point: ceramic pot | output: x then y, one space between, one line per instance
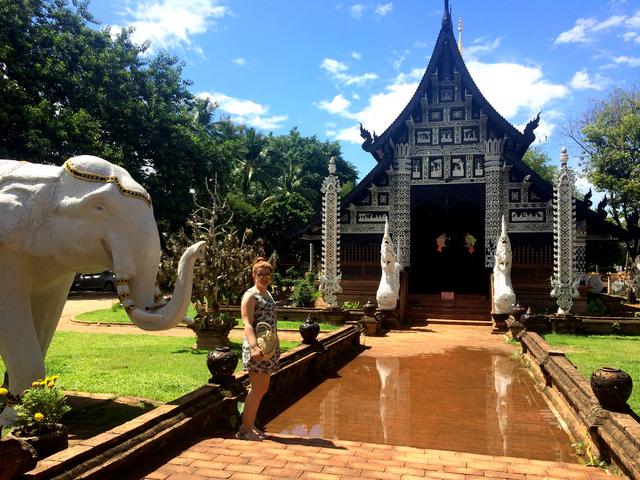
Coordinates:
47 443
369 308
222 362
309 330
612 387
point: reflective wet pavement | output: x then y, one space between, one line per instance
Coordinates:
466 383
473 400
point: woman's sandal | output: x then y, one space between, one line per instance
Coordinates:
249 435
262 435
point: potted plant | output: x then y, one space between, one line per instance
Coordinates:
39 416
224 272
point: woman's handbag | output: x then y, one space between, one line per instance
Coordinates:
266 339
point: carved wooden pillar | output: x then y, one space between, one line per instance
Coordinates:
331 276
565 279
401 202
494 196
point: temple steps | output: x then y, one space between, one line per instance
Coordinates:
464 309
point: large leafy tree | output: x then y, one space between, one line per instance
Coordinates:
540 162
67 88
609 134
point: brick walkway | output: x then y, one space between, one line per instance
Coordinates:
284 456
288 457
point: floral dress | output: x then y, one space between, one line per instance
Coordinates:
265 312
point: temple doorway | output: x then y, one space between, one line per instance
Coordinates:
447 248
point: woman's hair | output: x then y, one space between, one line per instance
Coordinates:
260 262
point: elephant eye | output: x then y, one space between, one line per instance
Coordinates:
100 208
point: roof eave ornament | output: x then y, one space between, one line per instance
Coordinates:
369 141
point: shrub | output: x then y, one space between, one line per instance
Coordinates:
351 305
595 306
304 291
42 407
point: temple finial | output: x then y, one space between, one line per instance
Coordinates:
460 35
446 18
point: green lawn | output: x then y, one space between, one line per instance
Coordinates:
591 352
153 367
117 315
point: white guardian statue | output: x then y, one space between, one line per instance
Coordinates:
504 298
387 294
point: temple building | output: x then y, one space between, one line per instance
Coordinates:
447 169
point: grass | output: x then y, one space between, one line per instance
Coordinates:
591 352
151 367
117 315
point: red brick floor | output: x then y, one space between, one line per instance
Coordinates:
289 457
283 457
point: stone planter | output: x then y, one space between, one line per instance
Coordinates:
612 387
47 443
222 362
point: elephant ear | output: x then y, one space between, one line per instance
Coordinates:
26 191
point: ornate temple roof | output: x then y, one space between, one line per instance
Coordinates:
446 61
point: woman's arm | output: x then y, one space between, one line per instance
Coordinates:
247 309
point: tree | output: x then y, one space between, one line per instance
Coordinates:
609 135
69 89
541 163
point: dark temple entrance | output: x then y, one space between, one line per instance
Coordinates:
447 239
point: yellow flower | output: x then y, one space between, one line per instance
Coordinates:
55 377
51 384
3 391
36 384
38 417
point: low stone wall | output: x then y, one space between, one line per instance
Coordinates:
584 324
299 314
209 407
614 436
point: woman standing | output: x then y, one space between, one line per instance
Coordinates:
257 306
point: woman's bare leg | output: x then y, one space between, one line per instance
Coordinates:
259 386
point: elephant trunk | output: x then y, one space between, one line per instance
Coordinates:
163 316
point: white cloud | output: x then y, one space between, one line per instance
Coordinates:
172 23
383 9
584 28
631 61
583 81
356 55
339 105
512 88
480 46
397 63
240 61
246 112
337 71
357 10
634 21
631 36
333 66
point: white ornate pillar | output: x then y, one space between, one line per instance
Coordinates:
493 197
400 183
565 279
330 276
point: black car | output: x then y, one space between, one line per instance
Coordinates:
95 281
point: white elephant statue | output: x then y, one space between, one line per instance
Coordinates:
86 216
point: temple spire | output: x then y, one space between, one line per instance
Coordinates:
446 18
460 35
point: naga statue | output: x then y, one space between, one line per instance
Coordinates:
504 298
387 294
635 277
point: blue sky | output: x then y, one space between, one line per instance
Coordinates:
324 66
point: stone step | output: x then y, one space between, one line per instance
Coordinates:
458 321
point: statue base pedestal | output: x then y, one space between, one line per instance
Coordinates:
564 323
370 326
515 326
499 322
389 319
